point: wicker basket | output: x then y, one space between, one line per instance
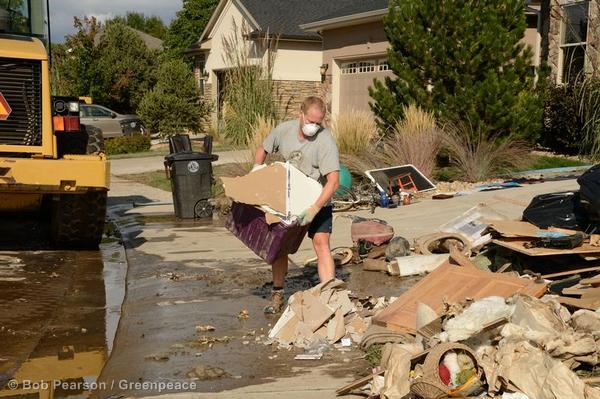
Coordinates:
430 386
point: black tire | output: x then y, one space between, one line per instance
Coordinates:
78 219
95 143
203 209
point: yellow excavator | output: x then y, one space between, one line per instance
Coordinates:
49 162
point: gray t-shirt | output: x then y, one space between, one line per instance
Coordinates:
316 156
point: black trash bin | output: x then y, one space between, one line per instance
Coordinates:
191 180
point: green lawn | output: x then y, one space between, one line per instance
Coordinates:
164 150
549 162
158 179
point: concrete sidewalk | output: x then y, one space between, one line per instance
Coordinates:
127 166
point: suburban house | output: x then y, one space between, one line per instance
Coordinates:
336 48
298 54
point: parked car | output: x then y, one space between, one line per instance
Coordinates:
110 122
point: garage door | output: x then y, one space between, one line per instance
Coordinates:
355 79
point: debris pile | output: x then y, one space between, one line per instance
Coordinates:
324 314
493 347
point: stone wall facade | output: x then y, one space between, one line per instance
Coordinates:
554 38
291 93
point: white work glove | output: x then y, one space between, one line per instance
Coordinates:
258 167
308 215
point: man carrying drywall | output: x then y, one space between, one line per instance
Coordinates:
311 148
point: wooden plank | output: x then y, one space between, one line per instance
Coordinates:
593 281
581 303
517 244
570 272
451 284
514 228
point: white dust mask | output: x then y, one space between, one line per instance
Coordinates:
310 129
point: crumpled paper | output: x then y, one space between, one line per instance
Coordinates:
396 361
536 374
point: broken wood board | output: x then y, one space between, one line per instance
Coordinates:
514 228
581 303
517 244
571 272
593 281
452 284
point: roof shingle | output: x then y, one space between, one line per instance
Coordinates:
284 17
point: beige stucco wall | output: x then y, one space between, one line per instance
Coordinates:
533 39
340 45
294 60
224 27
354 42
298 61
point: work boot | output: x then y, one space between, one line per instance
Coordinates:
275 303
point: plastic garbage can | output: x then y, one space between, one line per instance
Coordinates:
191 181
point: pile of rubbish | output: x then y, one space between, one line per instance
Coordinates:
506 308
324 315
515 347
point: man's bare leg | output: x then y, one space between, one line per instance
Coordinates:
325 263
280 268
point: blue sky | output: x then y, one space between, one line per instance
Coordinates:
62 11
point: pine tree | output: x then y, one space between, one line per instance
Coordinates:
463 60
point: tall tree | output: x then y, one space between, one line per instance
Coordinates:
174 105
125 68
188 25
463 60
74 62
151 25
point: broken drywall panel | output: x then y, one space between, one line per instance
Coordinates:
279 188
452 284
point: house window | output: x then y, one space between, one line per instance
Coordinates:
354 67
574 40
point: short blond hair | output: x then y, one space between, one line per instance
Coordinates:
313 101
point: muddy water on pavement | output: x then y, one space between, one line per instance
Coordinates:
158 341
58 312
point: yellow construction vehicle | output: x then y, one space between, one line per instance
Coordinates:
49 163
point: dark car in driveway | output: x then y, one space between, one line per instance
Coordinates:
110 122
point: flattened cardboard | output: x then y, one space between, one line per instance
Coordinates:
312 311
266 186
335 328
279 189
514 228
453 284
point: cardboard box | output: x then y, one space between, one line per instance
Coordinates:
265 209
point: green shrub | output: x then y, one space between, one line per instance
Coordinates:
250 92
572 118
127 144
174 106
562 131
